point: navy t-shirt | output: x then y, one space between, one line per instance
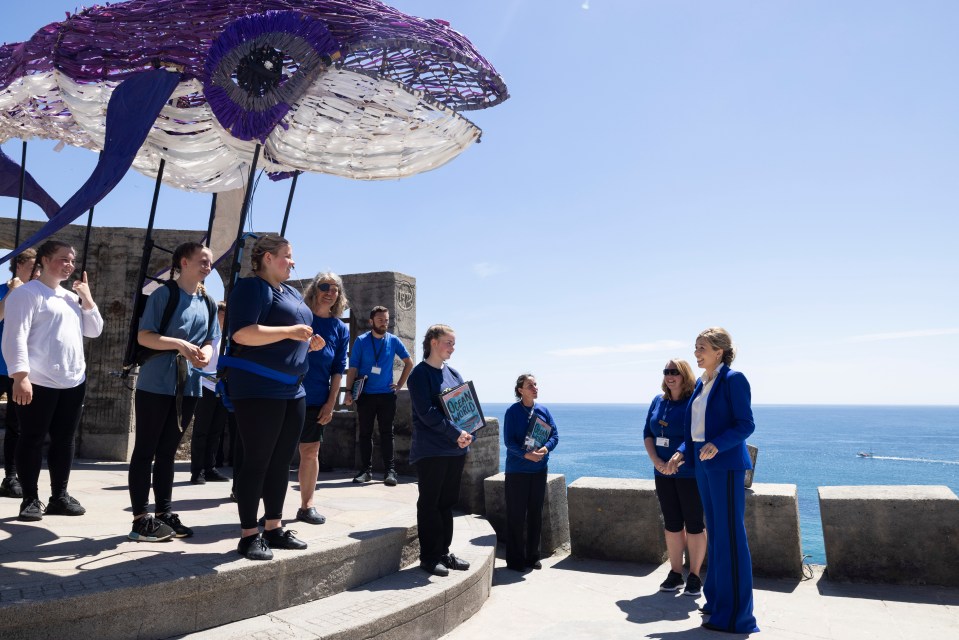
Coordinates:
327 361
254 301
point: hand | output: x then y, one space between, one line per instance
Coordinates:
82 288
464 440
348 399
326 414
300 332
674 464
534 456
202 360
189 351
659 465
22 391
708 451
317 342
15 282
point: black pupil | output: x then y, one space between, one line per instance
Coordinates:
260 71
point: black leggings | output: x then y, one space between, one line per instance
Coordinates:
208 427
439 485
154 449
270 432
12 434
53 411
680 503
525 494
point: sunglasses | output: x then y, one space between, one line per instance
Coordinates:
671 372
326 286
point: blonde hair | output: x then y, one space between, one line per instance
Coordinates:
719 338
689 380
270 243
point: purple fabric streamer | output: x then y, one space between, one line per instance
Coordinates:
32 191
131 112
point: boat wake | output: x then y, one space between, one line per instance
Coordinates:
913 459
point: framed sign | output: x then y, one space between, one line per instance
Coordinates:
462 407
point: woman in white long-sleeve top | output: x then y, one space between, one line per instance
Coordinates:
43 346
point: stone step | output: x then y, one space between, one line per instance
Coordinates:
407 604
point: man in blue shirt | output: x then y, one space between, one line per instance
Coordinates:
372 358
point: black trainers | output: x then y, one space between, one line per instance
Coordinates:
390 479
452 562
31 510
212 475
363 476
254 547
310 516
534 564
694 586
65 505
149 529
436 568
10 488
281 538
673 582
198 478
172 520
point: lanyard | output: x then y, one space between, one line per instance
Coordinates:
376 356
662 419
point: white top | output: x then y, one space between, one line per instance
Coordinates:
43 335
698 428
211 368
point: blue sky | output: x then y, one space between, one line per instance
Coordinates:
784 169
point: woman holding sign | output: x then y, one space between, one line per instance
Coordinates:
438 450
529 434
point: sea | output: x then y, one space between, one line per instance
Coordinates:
807 445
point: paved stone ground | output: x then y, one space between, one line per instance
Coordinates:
590 599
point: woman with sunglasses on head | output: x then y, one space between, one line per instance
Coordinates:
168 387
717 423
326 298
678 494
271 334
438 450
43 347
526 470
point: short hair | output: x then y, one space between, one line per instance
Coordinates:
689 380
270 243
26 254
378 309
719 338
520 381
341 302
434 333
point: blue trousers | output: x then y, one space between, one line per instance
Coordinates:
729 576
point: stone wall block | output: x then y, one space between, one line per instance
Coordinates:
555 511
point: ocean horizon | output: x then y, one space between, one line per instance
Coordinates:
806 445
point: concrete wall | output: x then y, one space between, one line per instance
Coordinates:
555 511
481 463
898 534
772 529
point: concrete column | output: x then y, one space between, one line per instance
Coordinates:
481 463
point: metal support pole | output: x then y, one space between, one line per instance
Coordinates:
289 203
209 227
23 179
86 242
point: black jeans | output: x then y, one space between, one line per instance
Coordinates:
525 493
12 426
209 424
439 486
380 407
269 432
53 411
154 448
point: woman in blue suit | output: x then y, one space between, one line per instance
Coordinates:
718 421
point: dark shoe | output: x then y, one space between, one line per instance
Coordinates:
212 475
31 510
694 586
65 505
310 516
172 520
10 488
536 564
673 582
281 538
232 496
452 562
390 479
149 529
436 568
254 547
198 478
363 476
705 612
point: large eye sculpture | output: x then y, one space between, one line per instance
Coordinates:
260 65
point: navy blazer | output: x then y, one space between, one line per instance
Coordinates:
729 421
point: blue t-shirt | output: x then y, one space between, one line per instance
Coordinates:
369 352
254 301
4 290
433 433
326 362
515 425
190 322
673 414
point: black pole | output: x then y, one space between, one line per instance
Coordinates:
23 179
289 203
86 243
235 265
209 226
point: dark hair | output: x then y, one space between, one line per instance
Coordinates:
185 250
433 333
221 306
270 243
46 250
26 254
378 309
520 381
719 338
339 305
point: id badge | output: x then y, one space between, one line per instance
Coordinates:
662 442
376 371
